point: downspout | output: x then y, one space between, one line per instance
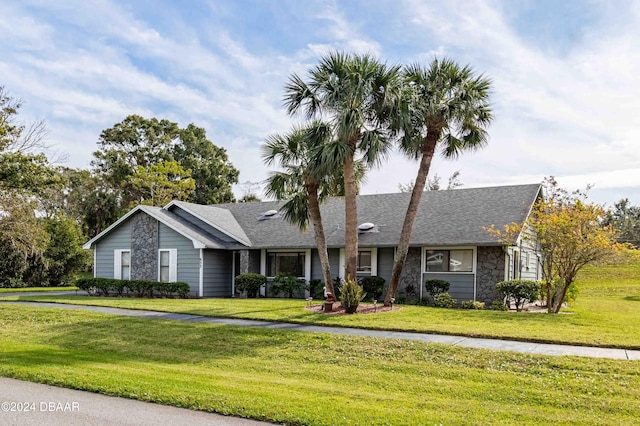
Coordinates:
233 274
423 267
201 286
520 261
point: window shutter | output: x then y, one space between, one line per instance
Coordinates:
117 264
173 265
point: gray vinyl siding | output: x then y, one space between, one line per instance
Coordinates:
529 245
385 263
218 267
316 267
529 270
461 284
188 257
117 239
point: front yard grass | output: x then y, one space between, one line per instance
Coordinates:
606 313
310 378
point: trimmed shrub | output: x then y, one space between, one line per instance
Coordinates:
471 304
373 286
86 284
444 300
250 283
498 305
142 288
436 287
351 294
520 291
103 285
139 288
287 284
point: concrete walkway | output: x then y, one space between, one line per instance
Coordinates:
34 404
471 342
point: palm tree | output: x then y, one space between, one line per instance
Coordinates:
445 105
302 182
356 94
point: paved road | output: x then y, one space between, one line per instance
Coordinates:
496 344
52 406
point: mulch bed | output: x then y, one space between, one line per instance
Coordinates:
362 309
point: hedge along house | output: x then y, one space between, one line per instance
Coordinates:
207 246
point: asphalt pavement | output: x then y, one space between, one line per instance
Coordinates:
34 404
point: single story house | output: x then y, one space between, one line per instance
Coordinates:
207 246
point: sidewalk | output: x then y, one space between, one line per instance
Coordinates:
471 342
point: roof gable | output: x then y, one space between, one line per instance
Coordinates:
221 220
198 239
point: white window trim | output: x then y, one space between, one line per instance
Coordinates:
510 266
374 262
117 263
473 267
307 261
173 264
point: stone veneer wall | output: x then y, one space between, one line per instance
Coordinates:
244 262
249 261
144 247
411 273
490 271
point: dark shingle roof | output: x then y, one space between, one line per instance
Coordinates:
221 219
445 218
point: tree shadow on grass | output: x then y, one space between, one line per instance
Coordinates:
113 339
632 298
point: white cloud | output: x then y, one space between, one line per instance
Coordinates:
573 115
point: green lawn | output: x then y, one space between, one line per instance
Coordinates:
606 313
41 289
310 378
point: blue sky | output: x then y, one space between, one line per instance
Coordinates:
566 91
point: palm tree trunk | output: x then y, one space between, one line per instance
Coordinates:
350 216
320 237
428 150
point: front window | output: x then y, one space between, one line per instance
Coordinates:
168 265
364 262
285 263
165 266
449 260
125 265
